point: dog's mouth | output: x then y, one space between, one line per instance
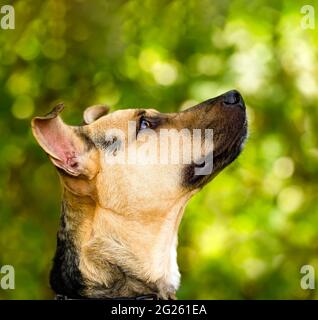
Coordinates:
198 174
226 115
229 154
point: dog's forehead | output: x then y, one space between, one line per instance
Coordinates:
122 116
115 119
118 120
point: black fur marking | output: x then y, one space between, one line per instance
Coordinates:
220 161
85 138
105 143
190 179
65 277
111 144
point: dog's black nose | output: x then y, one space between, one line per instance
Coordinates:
233 97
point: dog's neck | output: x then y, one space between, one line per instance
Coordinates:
103 254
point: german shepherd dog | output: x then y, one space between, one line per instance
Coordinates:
119 221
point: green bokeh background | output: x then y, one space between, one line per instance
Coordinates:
247 234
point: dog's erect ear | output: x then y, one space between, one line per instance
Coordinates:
65 148
94 112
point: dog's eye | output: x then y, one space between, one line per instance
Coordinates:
144 124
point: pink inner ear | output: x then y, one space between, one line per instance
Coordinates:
55 138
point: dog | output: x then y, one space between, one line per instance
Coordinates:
119 221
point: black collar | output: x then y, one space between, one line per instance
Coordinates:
152 296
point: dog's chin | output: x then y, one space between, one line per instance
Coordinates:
192 180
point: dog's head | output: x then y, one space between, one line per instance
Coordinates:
150 159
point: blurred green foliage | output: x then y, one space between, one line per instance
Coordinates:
247 234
